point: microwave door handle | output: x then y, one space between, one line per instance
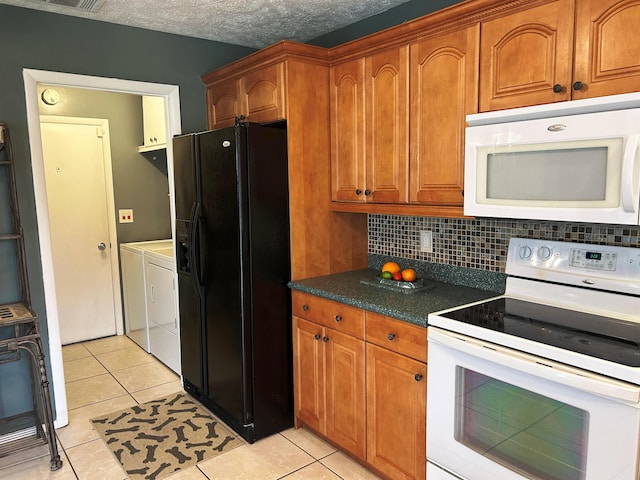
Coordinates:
538 367
629 174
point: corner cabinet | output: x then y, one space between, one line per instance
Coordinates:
370 128
528 57
360 381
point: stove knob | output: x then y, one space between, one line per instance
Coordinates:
525 252
544 253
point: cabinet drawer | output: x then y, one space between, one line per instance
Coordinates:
336 315
404 338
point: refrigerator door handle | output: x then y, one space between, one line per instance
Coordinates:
196 258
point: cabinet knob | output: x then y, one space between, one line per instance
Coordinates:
338 318
305 307
367 192
418 377
578 85
325 339
391 336
557 88
317 336
358 191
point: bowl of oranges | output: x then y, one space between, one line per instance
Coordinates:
391 274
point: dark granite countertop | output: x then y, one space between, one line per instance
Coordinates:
414 308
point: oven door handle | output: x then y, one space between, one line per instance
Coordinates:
539 367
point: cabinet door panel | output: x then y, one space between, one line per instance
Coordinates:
396 414
387 131
444 86
347 131
523 55
223 101
607 59
345 392
263 94
308 370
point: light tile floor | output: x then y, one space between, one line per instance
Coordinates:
113 373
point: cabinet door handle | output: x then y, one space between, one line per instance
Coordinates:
367 192
418 377
305 307
325 339
338 318
557 88
317 336
358 191
578 85
391 336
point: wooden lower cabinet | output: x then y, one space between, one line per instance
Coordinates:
360 381
329 384
396 414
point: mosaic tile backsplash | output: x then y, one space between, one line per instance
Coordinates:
482 243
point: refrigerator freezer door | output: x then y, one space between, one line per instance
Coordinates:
191 305
184 161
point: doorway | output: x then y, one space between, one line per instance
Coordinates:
77 165
173 127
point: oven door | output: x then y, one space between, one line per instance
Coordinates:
497 414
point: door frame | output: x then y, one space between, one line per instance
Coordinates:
111 207
31 79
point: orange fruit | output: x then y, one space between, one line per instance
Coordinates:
408 274
391 267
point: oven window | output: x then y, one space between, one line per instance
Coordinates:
536 436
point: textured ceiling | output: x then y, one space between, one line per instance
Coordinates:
251 23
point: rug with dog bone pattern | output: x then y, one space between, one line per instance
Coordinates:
157 438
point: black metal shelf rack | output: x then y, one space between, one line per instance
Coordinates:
21 336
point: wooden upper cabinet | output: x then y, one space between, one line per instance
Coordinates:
444 89
257 95
607 47
347 131
535 56
524 55
387 125
263 93
369 128
223 103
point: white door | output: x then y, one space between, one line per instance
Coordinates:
74 163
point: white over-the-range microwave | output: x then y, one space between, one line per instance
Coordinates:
576 161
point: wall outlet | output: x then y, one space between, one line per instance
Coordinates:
125 215
426 241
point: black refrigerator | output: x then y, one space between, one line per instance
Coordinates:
232 241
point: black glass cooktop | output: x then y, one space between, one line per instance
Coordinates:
594 335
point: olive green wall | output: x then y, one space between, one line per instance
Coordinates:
45 41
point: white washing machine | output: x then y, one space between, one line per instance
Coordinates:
133 287
162 318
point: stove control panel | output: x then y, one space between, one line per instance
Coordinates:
593 266
593 258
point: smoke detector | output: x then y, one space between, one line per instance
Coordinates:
84 5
